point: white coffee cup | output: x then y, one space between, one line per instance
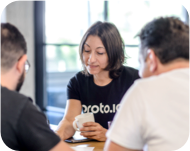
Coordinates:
82 118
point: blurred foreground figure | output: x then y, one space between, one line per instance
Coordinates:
155 111
23 126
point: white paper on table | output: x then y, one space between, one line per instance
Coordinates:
83 148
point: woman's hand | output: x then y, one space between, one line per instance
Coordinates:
93 131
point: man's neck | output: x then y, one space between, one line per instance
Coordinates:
8 80
176 64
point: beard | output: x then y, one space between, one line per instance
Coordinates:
20 82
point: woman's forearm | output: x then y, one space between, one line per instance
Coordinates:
65 129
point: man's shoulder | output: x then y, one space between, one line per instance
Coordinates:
162 82
147 82
12 106
12 96
10 93
165 79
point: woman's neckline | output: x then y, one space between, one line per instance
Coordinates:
104 85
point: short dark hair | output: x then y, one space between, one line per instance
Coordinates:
13 45
168 37
113 43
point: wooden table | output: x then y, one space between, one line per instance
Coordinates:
98 146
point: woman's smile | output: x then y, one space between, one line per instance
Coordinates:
92 66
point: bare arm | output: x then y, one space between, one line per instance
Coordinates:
61 146
65 128
111 146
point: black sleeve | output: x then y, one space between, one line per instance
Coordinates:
73 89
34 134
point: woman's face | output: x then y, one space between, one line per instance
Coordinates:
94 55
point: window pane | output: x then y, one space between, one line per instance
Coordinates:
67 21
130 17
62 59
132 57
96 11
56 88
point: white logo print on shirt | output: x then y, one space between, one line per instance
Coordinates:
103 109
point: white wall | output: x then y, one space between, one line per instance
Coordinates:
21 14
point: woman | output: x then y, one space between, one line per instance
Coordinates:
100 87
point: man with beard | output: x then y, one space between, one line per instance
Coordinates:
155 111
23 126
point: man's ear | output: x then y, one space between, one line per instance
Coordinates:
152 61
21 63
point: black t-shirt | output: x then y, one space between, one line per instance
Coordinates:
23 126
103 101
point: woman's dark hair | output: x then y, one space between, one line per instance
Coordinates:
168 37
113 44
